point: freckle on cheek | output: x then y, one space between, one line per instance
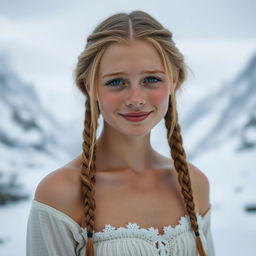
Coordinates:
159 97
110 100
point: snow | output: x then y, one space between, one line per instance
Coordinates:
232 186
14 217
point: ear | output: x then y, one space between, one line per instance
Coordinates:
86 86
176 78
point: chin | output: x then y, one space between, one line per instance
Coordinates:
136 132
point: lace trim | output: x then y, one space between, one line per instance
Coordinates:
133 230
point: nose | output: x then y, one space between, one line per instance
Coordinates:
135 98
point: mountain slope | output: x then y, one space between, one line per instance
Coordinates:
27 133
227 114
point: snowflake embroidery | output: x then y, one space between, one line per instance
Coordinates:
153 231
108 228
132 226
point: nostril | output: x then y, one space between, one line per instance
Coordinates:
136 104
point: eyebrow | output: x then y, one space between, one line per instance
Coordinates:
144 72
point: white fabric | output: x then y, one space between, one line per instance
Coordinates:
52 233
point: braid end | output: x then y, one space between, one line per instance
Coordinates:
200 246
89 247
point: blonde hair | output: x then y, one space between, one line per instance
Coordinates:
121 28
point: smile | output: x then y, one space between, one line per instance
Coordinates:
136 118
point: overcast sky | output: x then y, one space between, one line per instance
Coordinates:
197 18
42 39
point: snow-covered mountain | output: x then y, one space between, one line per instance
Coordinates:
227 114
27 131
22 117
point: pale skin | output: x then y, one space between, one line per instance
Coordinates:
134 183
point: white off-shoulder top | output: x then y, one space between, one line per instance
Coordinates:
50 232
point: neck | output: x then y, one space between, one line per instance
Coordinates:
116 150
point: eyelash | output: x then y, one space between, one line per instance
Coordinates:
119 79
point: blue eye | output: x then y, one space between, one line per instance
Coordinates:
153 79
118 82
114 82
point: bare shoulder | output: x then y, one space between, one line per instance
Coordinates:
60 189
201 188
199 183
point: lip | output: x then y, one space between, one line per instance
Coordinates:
136 114
136 117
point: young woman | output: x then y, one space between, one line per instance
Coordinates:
120 196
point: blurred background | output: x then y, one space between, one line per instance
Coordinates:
41 111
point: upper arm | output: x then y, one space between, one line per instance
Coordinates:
46 233
200 188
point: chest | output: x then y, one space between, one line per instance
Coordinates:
151 204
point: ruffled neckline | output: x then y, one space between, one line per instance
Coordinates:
133 230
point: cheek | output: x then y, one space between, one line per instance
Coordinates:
159 97
108 102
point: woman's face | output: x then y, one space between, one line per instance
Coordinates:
132 79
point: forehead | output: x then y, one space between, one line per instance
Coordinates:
133 55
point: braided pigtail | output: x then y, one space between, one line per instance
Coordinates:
181 166
88 179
